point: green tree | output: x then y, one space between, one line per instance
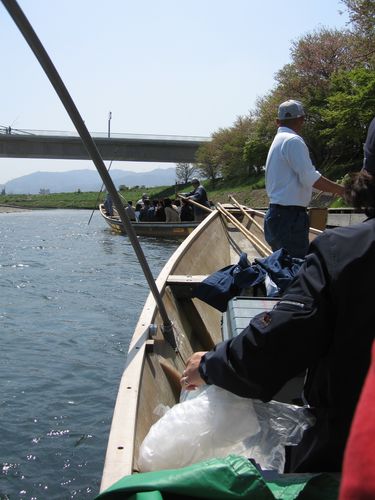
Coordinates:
362 18
349 109
316 57
225 154
255 153
207 163
331 72
231 143
361 15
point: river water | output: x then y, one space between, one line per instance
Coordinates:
70 296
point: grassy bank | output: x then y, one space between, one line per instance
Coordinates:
88 200
251 193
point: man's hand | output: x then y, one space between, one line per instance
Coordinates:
191 379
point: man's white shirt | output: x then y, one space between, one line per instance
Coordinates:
290 174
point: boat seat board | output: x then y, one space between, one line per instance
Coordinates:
178 279
183 285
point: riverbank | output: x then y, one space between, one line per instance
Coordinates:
9 209
251 195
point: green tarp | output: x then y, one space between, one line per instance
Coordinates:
225 478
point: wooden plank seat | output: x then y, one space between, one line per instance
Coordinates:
182 285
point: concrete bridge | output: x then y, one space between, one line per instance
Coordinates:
16 143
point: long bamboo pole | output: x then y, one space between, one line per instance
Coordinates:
193 202
40 53
260 246
253 221
97 199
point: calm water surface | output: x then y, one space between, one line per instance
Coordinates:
70 296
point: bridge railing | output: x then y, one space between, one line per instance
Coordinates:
59 133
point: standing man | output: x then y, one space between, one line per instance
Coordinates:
108 205
199 195
290 178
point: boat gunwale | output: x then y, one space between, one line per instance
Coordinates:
119 458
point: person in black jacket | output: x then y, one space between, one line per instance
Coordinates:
369 149
324 322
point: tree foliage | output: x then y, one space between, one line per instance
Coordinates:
224 154
207 163
332 73
349 110
362 18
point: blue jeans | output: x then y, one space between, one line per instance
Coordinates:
287 227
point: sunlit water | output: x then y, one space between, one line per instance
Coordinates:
70 296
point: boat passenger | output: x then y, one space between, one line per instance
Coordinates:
152 210
199 195
290 178
187 213
177 205
137 212
171 214
144 212
160 212
144 197
129 209
323 323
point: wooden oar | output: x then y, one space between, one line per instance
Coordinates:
253 221
45 61
193 202
259 245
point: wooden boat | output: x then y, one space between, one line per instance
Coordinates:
150 377
175 230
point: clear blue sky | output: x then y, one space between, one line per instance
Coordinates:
160 66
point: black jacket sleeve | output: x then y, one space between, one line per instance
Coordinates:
369 150
280 344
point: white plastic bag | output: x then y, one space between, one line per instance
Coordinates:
211 423
281 425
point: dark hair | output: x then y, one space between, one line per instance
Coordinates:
360 191
167 202
289 121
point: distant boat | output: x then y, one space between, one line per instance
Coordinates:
175 230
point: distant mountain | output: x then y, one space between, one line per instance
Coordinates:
87 180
